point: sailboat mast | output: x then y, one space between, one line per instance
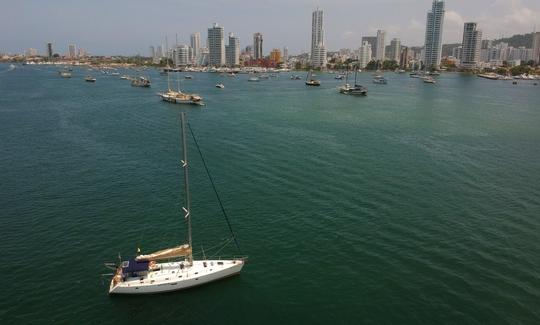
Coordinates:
186 184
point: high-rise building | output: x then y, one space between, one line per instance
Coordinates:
82 53
181 55
216 46
434 31
49 51
380 50
394 52
257 46
372 40
232 51
364 54
275 55
404 57
72 51
536 47
285 54
159 51
472 42
196 45
318 51
457 52
152 52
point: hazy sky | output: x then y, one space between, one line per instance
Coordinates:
131 26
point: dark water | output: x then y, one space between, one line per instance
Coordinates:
418 204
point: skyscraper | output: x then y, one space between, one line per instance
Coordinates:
472 42
285 54
364 54
181 55
395 50
196 44
318 51
372 40
434 30
380 50
49 51
232 51
536 47
152 52
216 46
257 46
72 51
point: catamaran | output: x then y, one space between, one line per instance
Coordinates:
172 268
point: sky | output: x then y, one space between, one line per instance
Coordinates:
111 27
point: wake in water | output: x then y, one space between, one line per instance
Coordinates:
11 68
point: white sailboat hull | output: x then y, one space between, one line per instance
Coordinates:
175 276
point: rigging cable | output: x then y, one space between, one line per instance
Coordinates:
215 190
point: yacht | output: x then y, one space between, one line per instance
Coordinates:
178 97
141 82
380 80
356 90
310 81
429 80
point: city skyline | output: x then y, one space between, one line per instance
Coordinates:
342 29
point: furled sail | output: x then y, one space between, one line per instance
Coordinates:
182 250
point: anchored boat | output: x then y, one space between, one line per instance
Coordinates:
356 90
311 81
178 97
172 268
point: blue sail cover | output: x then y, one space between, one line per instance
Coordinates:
135 266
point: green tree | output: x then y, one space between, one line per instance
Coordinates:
372 65
390 65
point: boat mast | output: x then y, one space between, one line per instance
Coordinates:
186 184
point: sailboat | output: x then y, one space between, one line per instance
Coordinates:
357 89
178 97
310 81
146 273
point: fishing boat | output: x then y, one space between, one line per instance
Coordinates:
380 80
429 80
310 81
356 89
173 268
140 82
89 79
220 85
179 97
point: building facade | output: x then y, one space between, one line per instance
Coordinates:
232 51
318 50
433 40
394 52
380 49
195 41
536 47
257 46
216 46
470 47
364 54
72 51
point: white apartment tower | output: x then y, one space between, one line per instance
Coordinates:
381 45
318 51
196 45
257 46
232 51
434 31
216 46
181 55
364 54
472 42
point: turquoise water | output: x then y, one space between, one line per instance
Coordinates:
418 204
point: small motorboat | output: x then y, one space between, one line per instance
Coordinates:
429 80
254 79
220 85
89 79
188 77
380 80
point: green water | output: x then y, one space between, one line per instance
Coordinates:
418 204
